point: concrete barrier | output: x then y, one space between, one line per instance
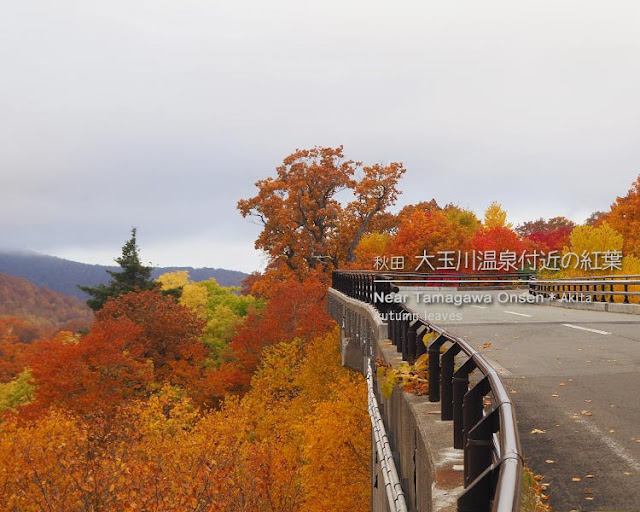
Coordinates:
611 307
429 468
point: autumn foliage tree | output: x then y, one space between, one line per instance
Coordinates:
624 217
297 310
169 333
15 337
298 440
93 373
305 226
138 341
371 246
547 235
498 239
423 232
222 309
496 217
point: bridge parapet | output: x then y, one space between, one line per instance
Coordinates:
482 415
613 293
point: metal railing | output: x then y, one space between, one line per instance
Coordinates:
363 284
483 416
592 288
394 491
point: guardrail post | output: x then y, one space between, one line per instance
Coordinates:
477 498
447 362
472 409
420 346
412 340
434 367
460 388
391 322
378 288
404 341
396 312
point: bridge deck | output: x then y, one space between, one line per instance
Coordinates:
575 376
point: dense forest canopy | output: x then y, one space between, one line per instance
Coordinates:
227 398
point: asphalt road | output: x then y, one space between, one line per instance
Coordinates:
574 376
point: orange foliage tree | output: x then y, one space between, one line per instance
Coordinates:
423 232
624 217
15 337
168 335
498 239
93 373
296 310
298 440
138 341
305 227
371 246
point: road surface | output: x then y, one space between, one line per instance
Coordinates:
574 376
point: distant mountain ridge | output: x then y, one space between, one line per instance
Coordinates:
64 276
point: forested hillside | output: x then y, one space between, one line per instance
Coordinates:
189 396
40 306
64 276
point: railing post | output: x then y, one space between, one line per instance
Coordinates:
420 346
434 368
404 338
447 363
460 388
472 407
412 340
391 325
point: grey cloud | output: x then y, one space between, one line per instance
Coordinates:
163 114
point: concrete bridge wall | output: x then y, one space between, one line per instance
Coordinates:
422 445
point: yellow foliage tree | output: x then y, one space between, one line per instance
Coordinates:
592 239
337 465
177 279
222 308
371 246
586 242
496 217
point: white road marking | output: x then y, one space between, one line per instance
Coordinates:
586 329
616 448
514 313
479 307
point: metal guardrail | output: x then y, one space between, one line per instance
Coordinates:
592 288
484 423
459 280
395 494
363 284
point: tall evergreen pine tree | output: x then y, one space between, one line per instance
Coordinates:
134 276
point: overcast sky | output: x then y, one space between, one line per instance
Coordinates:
162 114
